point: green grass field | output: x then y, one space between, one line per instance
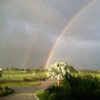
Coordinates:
97 75
20 84
20 75
40 94
21 78
31 78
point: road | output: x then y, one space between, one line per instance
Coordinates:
26 93
22 93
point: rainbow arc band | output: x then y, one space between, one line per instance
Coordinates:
65 29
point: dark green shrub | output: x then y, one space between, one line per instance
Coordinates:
46 95
82 88
75 88
53 96
1 94
1 88
6 91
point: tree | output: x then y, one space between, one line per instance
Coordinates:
58 71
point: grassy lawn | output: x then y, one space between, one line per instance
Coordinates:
84 74
16 75
41 94
21 78
20 83
20 75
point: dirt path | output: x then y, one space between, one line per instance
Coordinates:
26 93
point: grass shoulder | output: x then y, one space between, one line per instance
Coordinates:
20 83
41 94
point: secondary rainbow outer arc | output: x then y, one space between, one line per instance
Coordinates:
27 55
64 31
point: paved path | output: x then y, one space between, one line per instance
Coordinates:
26 93
23 93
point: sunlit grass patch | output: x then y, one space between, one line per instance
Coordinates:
21 75
20 83
41 94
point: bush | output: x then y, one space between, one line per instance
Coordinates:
53 96
1 88
6 91
75 88
84 88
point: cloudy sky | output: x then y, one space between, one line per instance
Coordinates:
29 29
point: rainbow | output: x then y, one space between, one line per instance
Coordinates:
65 29
51 53
28 54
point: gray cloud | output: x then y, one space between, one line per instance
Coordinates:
80 45
39 22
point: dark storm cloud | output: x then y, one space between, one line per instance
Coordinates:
80 45
39 22
87 26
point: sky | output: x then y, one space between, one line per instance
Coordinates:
29 29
